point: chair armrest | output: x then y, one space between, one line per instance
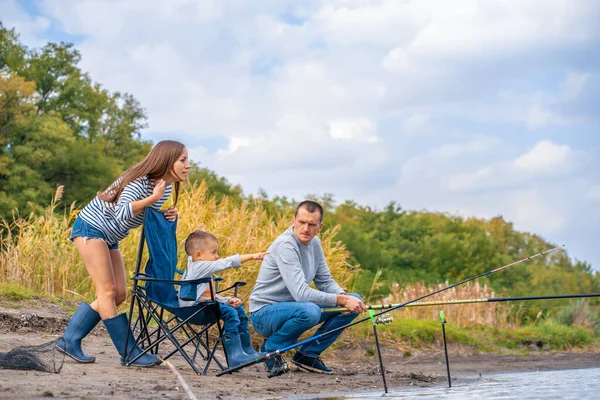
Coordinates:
173 281
236 286
216 280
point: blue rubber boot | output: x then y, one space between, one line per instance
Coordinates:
235 353
117 328
247 345
80 325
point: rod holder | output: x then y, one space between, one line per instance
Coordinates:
374 322
443 319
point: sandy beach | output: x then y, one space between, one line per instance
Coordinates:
356 370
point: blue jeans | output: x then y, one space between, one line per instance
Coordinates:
235 320
283 323
87 231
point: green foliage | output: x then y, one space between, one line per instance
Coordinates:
557 336
57 127
217 186
15 292
410 247
425 334
578 313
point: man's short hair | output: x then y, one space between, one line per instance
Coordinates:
311 207
197 240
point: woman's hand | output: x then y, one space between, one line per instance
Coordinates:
159 190
170 213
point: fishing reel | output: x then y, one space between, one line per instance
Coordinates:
384 319
279 368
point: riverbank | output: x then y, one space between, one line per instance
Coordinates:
356 368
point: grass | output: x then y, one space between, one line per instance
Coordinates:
36 254
558 336
409 334
14 292
38 260
499 315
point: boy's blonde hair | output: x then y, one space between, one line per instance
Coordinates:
197 240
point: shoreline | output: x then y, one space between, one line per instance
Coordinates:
356 370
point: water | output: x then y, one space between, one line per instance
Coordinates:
563 384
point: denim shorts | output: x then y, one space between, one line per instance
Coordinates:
87 231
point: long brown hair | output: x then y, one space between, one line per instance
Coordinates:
158 163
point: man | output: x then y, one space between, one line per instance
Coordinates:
283 305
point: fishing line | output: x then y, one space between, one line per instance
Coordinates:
277 353
468 301
181 380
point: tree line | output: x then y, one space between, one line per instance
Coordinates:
59 127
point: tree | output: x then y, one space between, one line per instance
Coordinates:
217 186
60 128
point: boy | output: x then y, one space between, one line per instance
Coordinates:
203 261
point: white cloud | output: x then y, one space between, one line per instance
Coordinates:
593 194
434 104
548 158
440 164
477 145
30 28
533 212
416 122
544 160
356 129
479 179
235 144
473 28
574 82
396 61
538 117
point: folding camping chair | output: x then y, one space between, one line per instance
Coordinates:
154 297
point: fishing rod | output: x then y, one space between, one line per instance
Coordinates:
277 353
467 301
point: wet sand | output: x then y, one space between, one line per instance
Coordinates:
355 370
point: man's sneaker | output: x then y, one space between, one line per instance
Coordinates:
271 362
313 364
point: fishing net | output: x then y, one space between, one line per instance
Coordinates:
43 357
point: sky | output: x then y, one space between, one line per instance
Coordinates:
472 108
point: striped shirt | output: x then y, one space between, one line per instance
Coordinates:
116 219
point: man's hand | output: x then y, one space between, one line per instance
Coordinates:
169 213
234 302
351 303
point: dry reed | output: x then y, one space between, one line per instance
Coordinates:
496 315
35 251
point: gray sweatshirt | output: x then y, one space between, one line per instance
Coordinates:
201 269
286 273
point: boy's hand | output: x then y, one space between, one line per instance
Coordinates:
258 256
234 302
255 256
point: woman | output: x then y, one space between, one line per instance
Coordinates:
105 221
